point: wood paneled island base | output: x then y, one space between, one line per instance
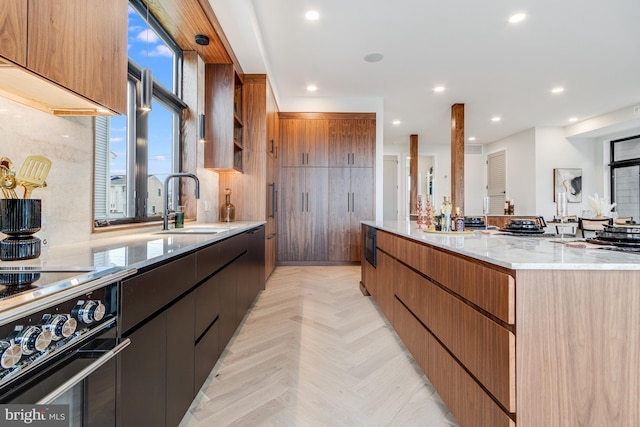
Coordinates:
513 346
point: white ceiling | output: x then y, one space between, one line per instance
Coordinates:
589 47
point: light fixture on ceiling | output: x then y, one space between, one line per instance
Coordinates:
396 122
312 88
518 17
374 57
573 119
557 90
202 40
312 15
201 128
146 79
496 119
438 89
472 138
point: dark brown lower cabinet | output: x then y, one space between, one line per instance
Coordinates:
176 342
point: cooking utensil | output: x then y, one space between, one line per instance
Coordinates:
7 179
32 174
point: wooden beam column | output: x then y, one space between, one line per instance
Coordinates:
457 156
413 174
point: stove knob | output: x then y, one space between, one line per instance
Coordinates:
90 311
60 326
32 339
10 354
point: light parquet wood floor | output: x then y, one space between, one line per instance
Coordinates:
313 351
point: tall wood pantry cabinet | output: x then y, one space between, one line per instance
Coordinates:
326 185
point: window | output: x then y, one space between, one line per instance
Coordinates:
625 176
135 153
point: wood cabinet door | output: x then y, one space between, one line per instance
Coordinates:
340 200
317 142
292 214
82 45
317 207
363 143
362 207
339 143
13 31
292 145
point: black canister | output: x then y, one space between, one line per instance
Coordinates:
19 219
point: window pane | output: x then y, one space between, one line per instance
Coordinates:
117 201
627 191
625 150
160 152
143 40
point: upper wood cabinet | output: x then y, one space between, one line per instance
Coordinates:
304 141
79 46
13 30
224 112
352 141
82 45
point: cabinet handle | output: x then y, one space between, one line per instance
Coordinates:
303 158
272 150
307 201
273 200
348 202
353 202
303 201
276 153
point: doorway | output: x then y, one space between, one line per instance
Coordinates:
497 181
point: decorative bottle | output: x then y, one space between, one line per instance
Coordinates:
445 210
228 211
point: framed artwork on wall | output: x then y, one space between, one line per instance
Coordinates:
569 181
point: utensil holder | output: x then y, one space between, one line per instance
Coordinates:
19 219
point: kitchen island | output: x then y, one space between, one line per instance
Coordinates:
514 330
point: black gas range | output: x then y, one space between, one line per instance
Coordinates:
58 327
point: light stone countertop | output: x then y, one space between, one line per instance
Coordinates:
517 253
136 250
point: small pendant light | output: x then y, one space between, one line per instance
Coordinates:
147 76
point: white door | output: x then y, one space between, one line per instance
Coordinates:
497 181
390 188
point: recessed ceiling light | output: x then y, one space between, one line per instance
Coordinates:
312 88
573 119
374 57
557 90
518 17
472 138
312 15
438 89
496 118
396 122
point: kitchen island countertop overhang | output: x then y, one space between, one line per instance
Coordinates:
516 252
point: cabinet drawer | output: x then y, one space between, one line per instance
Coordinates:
146 293
214 257
490 289
468 402
206 356
386 242
484 347
207 304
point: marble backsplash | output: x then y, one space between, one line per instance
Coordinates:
67 201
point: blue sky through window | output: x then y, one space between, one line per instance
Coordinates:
160 58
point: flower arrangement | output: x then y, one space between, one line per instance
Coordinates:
600 205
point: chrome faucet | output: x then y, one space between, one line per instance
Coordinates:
165 213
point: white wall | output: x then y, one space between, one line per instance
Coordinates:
553 150
319 104
521 172
475 181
